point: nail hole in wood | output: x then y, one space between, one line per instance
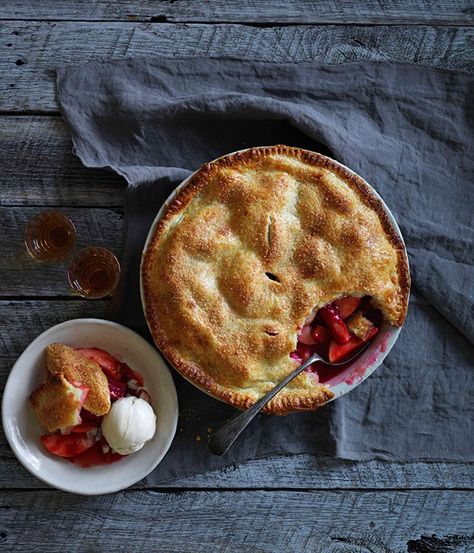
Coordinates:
20 62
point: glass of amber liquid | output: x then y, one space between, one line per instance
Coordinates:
94 272
49 236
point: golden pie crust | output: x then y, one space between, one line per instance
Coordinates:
243 253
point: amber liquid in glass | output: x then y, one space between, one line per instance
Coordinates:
94 272
50 236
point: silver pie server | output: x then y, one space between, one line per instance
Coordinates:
223 438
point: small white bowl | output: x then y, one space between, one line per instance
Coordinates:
23 432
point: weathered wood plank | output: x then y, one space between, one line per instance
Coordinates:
39 168
245 521
30 318
22 321
363 12
29 52
304 472
21 275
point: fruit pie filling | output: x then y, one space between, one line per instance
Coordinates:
84 444
337 332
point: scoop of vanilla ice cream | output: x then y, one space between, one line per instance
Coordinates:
130 423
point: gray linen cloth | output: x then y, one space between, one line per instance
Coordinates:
406 129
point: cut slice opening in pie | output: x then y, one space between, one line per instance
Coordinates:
263 256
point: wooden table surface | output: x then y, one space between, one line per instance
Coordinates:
295 503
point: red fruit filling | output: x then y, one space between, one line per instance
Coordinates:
336 332
117 389
67 445
335 323
83 444
321 334
99 454
106 362
85 426
88 416
346 306
338 352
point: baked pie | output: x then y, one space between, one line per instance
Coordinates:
262 257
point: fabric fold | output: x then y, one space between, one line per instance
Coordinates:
404 128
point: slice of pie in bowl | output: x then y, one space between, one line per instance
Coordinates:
263 256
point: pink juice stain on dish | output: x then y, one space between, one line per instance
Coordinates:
359 373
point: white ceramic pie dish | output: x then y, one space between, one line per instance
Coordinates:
345 380
23 432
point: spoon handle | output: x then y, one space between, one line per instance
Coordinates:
221 440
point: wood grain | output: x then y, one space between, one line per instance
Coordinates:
29 51
21 275
228 521
22 321
254 11
39 168
293 472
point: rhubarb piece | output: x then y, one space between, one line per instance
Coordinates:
339 352
57 403
346 306
360 325
77 368
106 362
334 322
69 445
